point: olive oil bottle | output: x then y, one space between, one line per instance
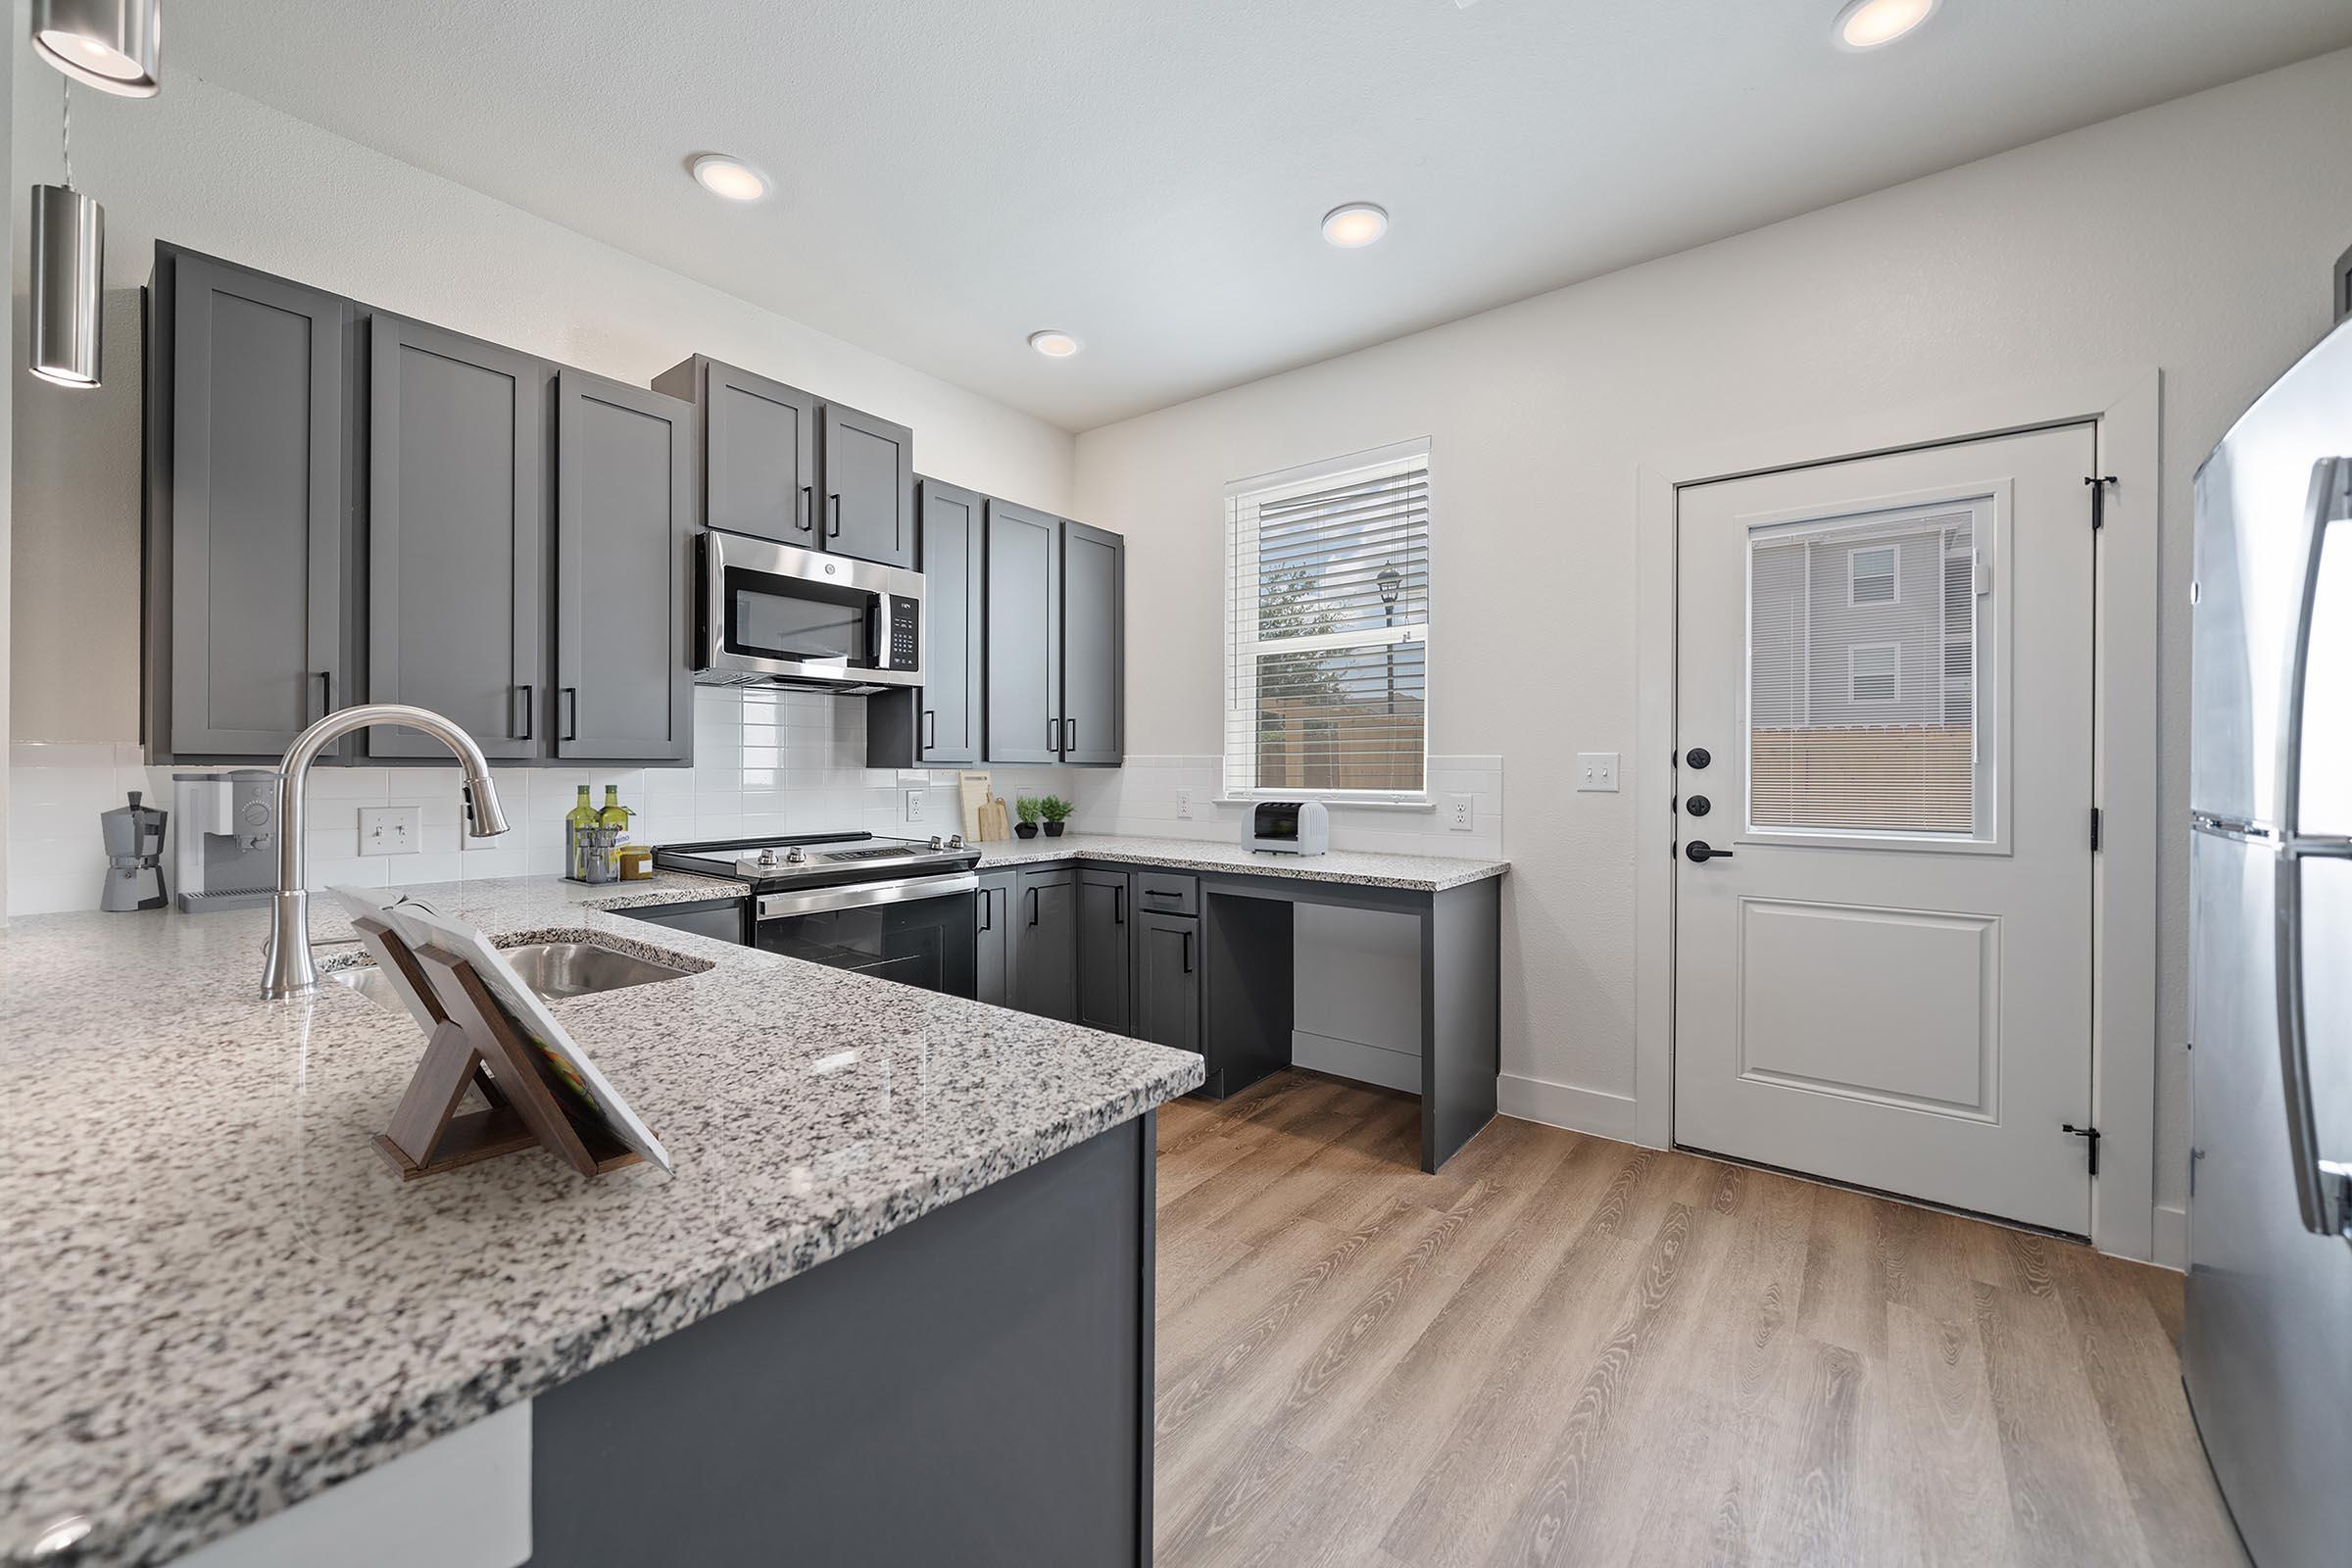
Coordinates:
576 823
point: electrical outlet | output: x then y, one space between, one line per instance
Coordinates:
1597 771
390 830
915 805
1184 806
1461 814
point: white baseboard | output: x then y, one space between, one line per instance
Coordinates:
1579 1110
2171 1238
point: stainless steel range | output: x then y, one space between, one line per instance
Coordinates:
896 908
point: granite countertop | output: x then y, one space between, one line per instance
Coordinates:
1422 873
216 1299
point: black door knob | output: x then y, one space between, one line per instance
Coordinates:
1699 851
1699 756
1698 805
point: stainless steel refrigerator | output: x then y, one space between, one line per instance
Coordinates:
2267 1355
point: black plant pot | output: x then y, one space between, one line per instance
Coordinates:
1027 830
1054 830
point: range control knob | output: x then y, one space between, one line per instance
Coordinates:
793 857
937 843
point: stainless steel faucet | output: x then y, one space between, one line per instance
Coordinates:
289 971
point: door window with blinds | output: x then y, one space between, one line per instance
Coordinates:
1327 630
1869 655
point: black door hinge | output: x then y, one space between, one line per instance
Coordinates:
2098 483
2090 1139
2096 823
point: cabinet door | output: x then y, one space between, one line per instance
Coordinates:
869 487
1022 722
257 504
624 522
1103 956
955 536
1046 956
759 455
1094 606
998 947
456 528
1168 979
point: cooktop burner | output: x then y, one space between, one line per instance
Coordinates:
818 859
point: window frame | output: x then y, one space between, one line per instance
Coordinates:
1237 719
1894 695
1894 575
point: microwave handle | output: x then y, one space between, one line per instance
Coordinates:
877 632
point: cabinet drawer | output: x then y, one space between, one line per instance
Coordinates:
1167 892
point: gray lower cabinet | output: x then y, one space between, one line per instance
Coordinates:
1094 608
249 509
725 919
1168 979
1046 946
1103 956
624 529
457 524
938 723
1023 720
999 946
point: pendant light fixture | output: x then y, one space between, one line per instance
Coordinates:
112 45
68 269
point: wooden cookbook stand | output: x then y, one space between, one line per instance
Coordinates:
473 1042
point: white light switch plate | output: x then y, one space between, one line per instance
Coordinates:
1461 815
1597 771
390 830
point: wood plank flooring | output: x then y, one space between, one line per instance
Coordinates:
1566 1351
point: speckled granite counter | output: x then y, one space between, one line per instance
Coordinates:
1423 874
216 1299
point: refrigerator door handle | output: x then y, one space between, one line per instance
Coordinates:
2319 1194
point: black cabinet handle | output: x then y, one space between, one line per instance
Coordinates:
1032 906
988 906
1188 953
529 694
833 526
1118 904
1161 893
930 728
1069 735
572 730
801 520
326 692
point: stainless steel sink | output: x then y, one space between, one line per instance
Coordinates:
556 970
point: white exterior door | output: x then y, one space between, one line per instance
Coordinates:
1885 667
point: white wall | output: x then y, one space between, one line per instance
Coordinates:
205 167
2194 237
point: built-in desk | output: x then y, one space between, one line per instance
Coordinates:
1246 956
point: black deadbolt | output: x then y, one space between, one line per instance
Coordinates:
1699 756
1698 805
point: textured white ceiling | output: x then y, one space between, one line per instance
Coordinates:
1150 173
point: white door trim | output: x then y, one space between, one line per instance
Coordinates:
2125 408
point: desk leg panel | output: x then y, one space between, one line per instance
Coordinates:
1461 1021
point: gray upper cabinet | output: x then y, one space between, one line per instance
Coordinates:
1094 608
624 528
868 487
1023 720
757 463
937 724
458 532
249 509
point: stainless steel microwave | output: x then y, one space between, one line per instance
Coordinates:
771 615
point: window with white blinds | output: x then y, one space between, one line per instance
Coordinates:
1327 630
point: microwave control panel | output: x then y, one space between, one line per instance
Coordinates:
901 617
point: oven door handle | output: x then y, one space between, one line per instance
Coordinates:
864 895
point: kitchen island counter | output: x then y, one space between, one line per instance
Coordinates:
219 1299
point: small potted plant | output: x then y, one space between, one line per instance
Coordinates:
1028 808
1057 811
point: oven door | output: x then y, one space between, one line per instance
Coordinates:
922 931
792 616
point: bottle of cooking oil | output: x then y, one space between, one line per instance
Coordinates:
614 815
576 823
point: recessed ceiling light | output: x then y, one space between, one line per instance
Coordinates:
1870 23
731 177
1054 345
1355 225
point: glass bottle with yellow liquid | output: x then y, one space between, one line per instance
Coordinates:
576 823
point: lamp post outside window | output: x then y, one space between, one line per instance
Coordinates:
1391 583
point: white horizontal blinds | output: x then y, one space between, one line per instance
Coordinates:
1862 675
1326 664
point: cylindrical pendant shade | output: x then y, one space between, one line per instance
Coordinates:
114 45
69 266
